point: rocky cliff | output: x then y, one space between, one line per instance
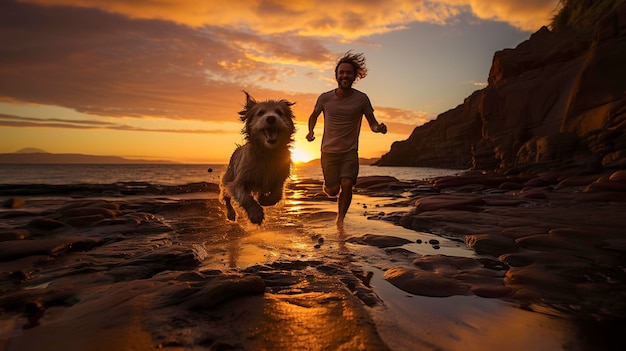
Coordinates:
556 100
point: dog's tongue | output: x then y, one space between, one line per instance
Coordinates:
271 135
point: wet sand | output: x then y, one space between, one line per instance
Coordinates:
137 266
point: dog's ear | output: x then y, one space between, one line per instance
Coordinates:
250 102
289 104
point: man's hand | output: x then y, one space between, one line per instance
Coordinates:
310 136
380 128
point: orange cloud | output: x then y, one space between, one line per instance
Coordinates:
528 15
342 18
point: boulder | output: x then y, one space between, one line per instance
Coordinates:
425 283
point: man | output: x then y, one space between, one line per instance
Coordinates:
343 109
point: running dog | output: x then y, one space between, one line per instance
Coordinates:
257 170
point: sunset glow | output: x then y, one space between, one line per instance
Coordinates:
300 155
164 80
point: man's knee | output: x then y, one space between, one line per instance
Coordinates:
347 184
332 191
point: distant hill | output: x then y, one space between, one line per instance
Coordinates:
30 150
25 156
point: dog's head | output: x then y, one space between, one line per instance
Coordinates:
268 123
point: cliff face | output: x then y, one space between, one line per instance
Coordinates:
558 99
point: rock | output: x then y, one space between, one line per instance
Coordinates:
490 244
489 179
606 186
492 291
542 180
15 249
448 202
13 202
532 194
618 176
45 224
601 196
577 181
88 211
579 236
510 186
539 280
15 234
443 264
381 241
515 260
217 291
546 242
374 181
425 283
83 221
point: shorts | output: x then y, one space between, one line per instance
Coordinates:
339 165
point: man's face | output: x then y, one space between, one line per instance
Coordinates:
345 75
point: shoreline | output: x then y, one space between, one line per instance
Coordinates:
166 256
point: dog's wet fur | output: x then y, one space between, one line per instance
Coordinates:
258 169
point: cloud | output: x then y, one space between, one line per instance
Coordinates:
30 122
189 60
528 15
107 64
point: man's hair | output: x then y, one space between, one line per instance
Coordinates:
357 61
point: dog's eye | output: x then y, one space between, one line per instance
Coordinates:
261 113
279 112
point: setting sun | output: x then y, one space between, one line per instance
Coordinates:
300 155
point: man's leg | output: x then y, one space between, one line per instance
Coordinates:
345 198
330 169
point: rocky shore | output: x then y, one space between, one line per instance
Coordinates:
556 239
137 266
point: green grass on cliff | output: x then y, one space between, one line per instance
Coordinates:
582 14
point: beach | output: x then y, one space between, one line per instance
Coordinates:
468 262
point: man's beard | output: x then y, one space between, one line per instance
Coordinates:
345 83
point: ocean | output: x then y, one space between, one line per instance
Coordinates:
174 174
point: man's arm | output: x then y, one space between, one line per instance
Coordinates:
374 125
312 123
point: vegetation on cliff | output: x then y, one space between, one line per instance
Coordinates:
582 14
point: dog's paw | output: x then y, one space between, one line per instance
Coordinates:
268 199
230 214
256 215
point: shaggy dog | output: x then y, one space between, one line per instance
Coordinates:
258 169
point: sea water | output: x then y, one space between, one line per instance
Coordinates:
174 174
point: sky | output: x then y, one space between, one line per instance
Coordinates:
163 79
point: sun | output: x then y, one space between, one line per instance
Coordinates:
299 155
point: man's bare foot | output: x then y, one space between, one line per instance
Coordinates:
339 221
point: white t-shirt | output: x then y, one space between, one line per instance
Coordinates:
342 119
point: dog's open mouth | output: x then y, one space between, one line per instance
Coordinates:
271 134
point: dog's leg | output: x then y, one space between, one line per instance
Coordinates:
253 209
230 211
273 196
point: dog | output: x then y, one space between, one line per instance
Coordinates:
257 170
